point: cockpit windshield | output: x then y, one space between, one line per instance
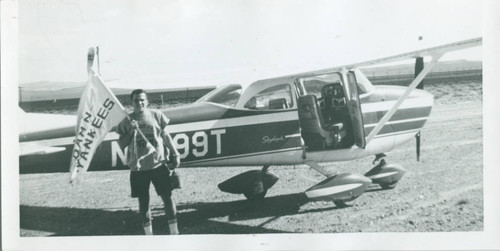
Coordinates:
364 85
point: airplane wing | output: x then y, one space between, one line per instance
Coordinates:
433 52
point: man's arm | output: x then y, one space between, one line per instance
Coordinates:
126 133
171 148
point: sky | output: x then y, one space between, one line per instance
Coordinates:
168 44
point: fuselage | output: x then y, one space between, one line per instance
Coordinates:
212 133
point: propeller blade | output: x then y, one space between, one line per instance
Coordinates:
417 137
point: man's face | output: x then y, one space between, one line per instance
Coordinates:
140 102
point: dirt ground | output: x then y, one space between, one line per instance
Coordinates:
442 192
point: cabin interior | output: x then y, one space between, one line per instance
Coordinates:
324 116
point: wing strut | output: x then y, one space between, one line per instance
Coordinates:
411 87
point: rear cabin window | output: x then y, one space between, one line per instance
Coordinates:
230 99
273 98
224 95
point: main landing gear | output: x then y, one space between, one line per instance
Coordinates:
253 184
343 189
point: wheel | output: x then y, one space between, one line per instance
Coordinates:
388 186
344 203
256 196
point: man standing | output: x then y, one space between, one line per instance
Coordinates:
144 133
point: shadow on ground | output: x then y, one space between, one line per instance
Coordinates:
195 218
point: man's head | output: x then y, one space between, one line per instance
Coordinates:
139 100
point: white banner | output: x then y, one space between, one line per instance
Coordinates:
98 111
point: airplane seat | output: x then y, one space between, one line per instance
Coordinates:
277 104
326 94
317 135
334 99
335 111
339 104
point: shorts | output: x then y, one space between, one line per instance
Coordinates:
160 177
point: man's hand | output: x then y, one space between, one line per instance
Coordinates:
176 160
134 124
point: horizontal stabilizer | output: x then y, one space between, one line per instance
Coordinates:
31 149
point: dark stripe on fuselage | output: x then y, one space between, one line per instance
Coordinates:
244 155
241 140
399 127
394 134
400 114
60 161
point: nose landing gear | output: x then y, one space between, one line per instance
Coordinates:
386 175
343 188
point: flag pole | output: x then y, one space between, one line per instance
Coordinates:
140 131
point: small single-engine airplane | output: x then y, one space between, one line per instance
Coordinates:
328 115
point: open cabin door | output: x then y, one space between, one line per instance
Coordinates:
354 107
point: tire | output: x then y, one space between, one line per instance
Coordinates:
255 196
344 203
388 186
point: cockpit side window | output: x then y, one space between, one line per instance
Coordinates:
273 98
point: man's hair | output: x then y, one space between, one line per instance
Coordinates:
137 91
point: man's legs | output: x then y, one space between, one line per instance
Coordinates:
145 214
139 185
170 212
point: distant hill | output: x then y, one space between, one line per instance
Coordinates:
54 91
445 71
49 91
442 66
42 99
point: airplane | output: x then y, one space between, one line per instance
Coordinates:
327 115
